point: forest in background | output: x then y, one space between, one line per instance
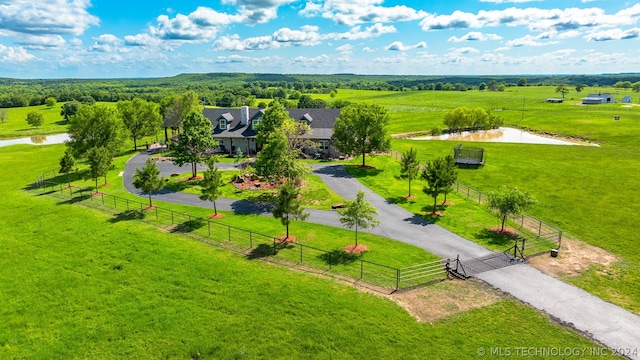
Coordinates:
236 89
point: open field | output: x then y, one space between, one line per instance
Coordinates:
89 287
15 124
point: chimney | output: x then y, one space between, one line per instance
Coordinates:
244 115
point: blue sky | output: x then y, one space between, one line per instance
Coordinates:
115 38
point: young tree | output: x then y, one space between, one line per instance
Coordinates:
69 109
409 166
238 156
95 126
449 176
288 205
358 213
433 174
67 162
272 120
140 117
362 129
580 87
507 202
562 89
148 179
50 101
194 141
99 163
3 115
211 183
35 119
276 160
294 131
179 107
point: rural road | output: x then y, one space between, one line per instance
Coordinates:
606 323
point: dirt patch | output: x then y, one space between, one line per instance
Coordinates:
356 249
574 257
447 298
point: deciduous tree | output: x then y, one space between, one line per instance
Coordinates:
99 163
67 162
358 214
3 115
69 109
35 119
140 117
288 205
148 179
563 89
194 141
434 174
362 129
50 101
272 120
95 126
211 183
507 202
409 166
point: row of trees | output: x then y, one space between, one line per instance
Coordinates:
464 118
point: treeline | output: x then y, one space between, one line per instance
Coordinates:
236 89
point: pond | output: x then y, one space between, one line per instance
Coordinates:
505 135
37 140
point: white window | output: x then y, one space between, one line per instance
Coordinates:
324 144
223 124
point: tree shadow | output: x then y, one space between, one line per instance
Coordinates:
61 122
260 251
336 171
249 207
339 257
128 216
75 199
188 226
420 220
358 171
495 238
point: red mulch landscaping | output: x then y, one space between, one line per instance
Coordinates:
215 216
150 207
447 203
286 240
353 249
507 232
409 197
250 182
435 213
105 185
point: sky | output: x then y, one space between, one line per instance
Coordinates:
140 38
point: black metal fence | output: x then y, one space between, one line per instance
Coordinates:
253 244
540 235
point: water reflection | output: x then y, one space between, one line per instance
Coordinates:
37 140
506 135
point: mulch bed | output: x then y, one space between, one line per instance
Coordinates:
215 216
507 232
353 249
435 213
286 240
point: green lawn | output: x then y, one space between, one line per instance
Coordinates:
78 285
16 125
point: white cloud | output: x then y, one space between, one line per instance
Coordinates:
399 46
463 50
355 33
296 37
353 12
509 1
41 42
53 17
257 11
106 43
475 36
346 49
614 34
226 43
14 54
367 49
536 19
529 40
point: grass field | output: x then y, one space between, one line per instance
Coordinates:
77 285
15 125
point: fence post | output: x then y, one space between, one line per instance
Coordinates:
275 251
209 227
229 233
102 196
539 227
397 279
250 240
329 260
115 205
127 204
156 213
361 265
171 214
300 253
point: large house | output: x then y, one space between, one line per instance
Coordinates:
593 99
235 128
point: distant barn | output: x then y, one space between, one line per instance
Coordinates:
627 99
594 99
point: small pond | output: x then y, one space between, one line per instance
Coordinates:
505 135
37 140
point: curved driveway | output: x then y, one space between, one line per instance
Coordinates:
604 322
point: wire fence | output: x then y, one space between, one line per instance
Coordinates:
539 234
255 245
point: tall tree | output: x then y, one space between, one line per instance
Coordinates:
288 205
95 126
35 119
50 101
580 87
148 179
458 118
276 160
140 117
295 132
434 174
69 109
362 129
562 89
274 116
180 107
409 166
507 202
3 115
67 162
194 141
211 183
358 214
99 163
